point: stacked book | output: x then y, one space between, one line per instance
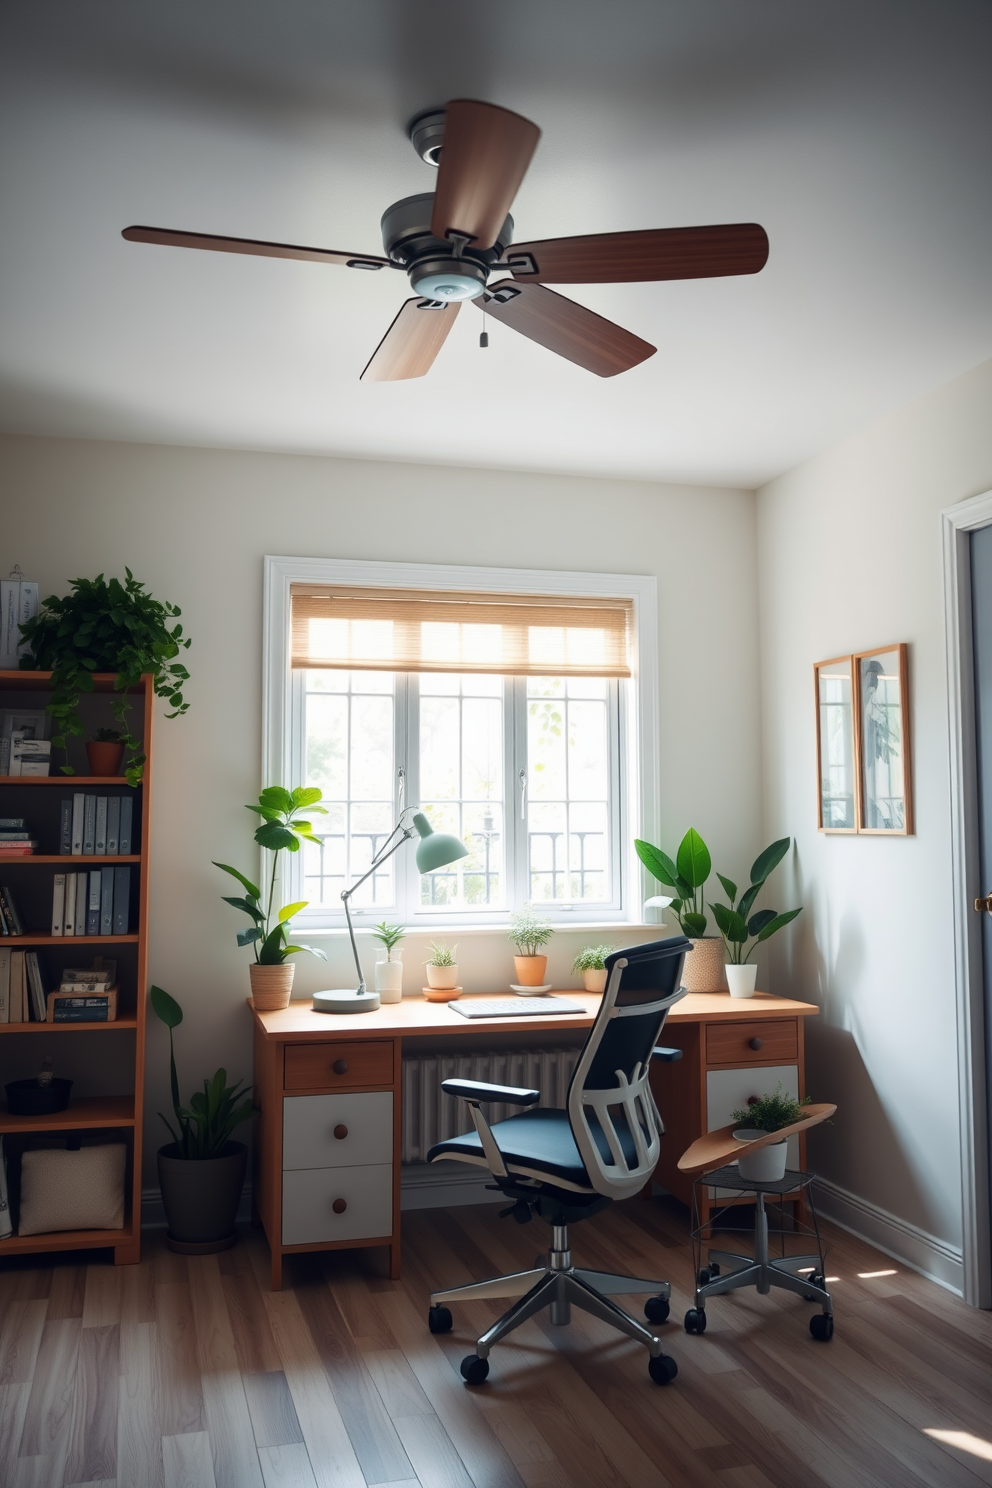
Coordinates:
96 826
88 994
22 754
22 991
15 841
10 919
96 902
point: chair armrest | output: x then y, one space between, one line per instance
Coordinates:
668 1055
478 1090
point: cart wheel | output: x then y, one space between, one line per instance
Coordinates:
657 1309
822 1327
474 1370
662 1369
439 1319
695 1320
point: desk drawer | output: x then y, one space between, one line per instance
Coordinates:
339 1066
765 1041
337 1131
364 1197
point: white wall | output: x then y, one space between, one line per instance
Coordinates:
194 525
849 559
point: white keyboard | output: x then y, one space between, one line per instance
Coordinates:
514 1007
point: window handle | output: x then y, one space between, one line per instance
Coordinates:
522 777
401 789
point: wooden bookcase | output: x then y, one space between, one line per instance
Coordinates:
110 1055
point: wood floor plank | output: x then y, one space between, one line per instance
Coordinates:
253 1340
137 1294
286 1466
139 1391
20 1340
181 1401
93 1435
225 1406
271 1408
13 1409
68 1289
102 1299
49 1412
187 1461
37 1472
432 1453
396 1383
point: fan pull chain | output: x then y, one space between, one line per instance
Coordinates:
484 337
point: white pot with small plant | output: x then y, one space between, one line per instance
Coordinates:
743 931
442 973
591 962
529 933
389 973
762 1117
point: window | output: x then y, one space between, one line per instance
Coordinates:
537 773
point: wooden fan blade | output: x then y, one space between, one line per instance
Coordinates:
636 257
565 327
257 246
412 342
484 158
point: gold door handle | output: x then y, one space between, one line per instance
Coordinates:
984 904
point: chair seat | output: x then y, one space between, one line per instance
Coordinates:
541 1141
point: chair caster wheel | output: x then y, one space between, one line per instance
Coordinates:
439 1319
662 1369
695 1320
656 1310
706 1274
822 1327
817 1281
475 1371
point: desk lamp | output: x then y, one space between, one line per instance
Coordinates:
434 850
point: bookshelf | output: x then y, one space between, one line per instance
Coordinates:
107 1071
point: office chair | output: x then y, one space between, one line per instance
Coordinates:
567 1165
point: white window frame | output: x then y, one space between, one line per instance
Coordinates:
638 813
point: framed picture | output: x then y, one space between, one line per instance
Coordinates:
33 722
836 746
885 798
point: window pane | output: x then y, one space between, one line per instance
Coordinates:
568 790
461 786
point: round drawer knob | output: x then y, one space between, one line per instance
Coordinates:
339 1206
340 1066
754 1044
340 1132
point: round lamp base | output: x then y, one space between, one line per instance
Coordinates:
345 1001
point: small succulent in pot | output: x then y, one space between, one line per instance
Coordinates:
591 963
389 937
389 973
441 967
529 933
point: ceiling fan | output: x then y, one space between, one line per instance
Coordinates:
450 242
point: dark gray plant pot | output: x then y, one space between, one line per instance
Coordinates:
201 1197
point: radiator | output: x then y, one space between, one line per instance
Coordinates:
430 1116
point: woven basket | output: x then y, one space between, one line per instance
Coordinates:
704 966
271 986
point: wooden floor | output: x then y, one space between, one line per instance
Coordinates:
188 1374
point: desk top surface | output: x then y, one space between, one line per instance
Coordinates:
415 1016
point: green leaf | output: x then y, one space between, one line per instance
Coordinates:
732 927
779 922
276 838
693 859
765 862
249 936
253 889
729 888
694 924
272 950
247 906
289 910
748 898
166 1007
314 951
276 798
657 863
306 795
758 921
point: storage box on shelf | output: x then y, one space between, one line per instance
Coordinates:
30 879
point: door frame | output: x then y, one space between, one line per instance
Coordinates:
957 523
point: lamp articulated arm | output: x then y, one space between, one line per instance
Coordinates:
384 852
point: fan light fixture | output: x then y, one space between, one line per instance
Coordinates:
448 286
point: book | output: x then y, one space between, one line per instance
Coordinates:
93 903
6 1225
18 1002
90 1007
58 903
107 901
17 849
100 843
4 754
113 825
65 827
89 825
78 807
73 986
29 756
122 899
4 984
82 894
9 911
8 834
11 824
88 978
124 840
69 905
18 605
36 987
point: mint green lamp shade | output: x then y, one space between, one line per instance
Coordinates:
436 849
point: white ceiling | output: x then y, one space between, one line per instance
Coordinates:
859 134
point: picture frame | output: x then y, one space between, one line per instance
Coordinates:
32 722
838 794
885 796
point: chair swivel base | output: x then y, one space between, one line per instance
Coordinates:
557 1284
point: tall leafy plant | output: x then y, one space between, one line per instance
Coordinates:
687 876
204 1127
103 625
737 924
283 829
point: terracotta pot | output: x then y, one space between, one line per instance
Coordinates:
704 966
442 978
104 758
594 979
442 994
271 986
530 970
201 1197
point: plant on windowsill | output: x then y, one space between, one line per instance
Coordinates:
529 933
703 970
442 973
201 1171
283 829
591 962
763 1115
389 973
738 925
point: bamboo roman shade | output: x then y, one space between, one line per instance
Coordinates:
418 630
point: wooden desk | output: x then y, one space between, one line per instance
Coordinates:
329 1090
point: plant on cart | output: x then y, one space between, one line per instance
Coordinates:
770 1113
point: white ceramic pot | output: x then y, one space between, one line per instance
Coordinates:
594 980
441 977
389 978
704 968
767 1164
740 980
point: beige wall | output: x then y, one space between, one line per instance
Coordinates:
194 524
849 559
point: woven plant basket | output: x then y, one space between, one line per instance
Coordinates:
704 966
271 986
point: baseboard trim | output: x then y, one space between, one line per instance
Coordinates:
444 1186
933 1258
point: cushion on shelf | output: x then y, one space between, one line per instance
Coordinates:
65 1190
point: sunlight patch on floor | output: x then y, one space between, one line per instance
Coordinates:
963 1440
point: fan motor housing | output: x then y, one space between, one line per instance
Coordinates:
436 270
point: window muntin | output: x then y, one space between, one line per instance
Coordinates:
569 791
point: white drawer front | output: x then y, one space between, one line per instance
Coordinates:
309 1196
728 1090
310 1121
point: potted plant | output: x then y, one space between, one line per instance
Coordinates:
103 625
282 830
704 969
529 933
738 925
389 973
201 1172
591 962
761 1117
442 973
105 751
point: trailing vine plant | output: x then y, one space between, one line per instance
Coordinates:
104 625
